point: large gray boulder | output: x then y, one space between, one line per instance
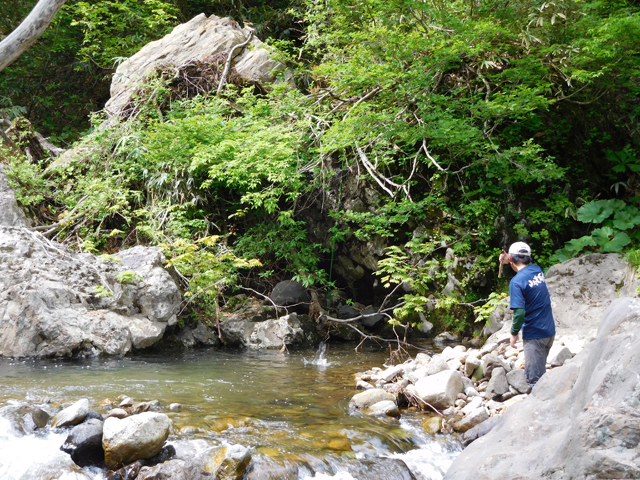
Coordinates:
582 420
282 332
49 304
84 443
133 438
197 39
581 289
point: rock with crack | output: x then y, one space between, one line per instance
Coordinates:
58 303
197 39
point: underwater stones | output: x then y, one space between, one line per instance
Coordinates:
133 438
72 415
227 463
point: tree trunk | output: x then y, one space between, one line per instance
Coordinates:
28 31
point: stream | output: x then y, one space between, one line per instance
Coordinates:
291 409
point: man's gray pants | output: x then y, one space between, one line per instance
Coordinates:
535 358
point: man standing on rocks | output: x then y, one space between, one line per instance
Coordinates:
531 307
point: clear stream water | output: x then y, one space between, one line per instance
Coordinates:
291 409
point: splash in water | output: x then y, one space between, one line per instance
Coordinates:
319 360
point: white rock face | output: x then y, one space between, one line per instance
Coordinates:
49 304
72 415
440 390
197 39
580 421
139 436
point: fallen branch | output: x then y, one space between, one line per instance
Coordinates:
227 66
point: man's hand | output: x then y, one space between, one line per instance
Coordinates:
512 342
504 257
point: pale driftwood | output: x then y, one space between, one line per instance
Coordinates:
18 41
227 66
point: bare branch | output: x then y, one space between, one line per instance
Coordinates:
227 66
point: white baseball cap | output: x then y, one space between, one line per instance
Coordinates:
520 248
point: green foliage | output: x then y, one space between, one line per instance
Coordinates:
496 300
612 236
128 276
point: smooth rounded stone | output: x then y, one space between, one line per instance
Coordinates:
140 407
423 358
488 348
476 402
518 381
492 361
446 337
126 473
498 385
440 390
460 403
573 343
558 355
363 385
519 363
93 414
137 437
372 317
167 452
84 443
471 364
455 364
341 444
379 468
36 415
385 407
478 373
118 413
175 406
290 292
173 470
127 402
472 419
417 374
462 396
345 312
481 429
437 365
432 424
72 415
227 462
370 397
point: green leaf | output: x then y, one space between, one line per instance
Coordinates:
594 212
603 235
578 244
626 218
619 241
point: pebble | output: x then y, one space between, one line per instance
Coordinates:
175 406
